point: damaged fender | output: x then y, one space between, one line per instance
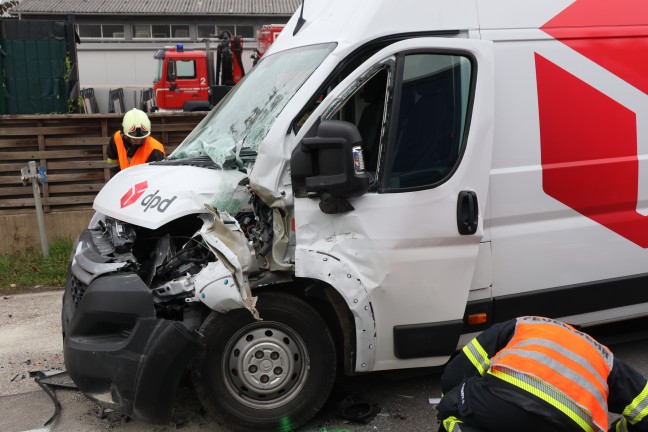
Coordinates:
330 269
216 287
224 285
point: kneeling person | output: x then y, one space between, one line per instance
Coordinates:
535 374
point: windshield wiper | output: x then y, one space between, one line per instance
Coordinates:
199 161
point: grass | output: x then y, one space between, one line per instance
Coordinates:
28 271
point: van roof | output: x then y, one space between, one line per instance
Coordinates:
352 23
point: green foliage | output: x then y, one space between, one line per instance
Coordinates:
28 271
68 67
74 105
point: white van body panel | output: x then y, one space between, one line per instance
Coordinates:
353 23
507 14
540 242
399 264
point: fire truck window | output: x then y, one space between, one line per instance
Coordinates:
431 119
185 69
171 76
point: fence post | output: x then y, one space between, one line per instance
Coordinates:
31 173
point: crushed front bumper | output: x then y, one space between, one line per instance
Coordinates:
120 355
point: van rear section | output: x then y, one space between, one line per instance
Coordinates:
389 180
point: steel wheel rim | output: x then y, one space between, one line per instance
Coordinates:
266 365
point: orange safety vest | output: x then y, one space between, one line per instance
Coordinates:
557 363
141 154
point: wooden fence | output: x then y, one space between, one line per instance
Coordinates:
72 148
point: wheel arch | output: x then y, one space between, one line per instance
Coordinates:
236 394
333 309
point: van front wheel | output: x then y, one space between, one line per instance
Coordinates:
269 375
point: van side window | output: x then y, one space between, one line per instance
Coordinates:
365 109
431 116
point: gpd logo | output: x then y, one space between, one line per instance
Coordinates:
150 201
154 201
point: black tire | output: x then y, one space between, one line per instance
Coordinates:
270 375
67 305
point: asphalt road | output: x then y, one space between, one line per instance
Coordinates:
30 341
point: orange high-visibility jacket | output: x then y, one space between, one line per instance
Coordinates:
141 155
561 365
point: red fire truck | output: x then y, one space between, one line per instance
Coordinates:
196 80
265 38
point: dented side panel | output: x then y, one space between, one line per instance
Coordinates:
404 249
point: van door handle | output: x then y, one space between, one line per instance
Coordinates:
467 212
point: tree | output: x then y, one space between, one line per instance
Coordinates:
6 5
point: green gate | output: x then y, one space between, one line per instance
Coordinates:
36 66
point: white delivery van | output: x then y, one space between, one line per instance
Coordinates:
392 178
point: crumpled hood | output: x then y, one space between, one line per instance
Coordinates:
153 195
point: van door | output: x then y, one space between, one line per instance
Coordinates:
406 252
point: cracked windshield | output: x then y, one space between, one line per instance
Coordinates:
245 116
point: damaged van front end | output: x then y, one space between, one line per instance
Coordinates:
178 246
137 294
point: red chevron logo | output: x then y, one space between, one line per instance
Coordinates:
133 194
588 139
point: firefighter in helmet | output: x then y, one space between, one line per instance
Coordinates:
536 374
133 143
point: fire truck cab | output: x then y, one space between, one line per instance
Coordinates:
182 78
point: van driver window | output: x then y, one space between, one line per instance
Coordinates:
431 120
365 109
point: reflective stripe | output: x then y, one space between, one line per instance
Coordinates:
606 354
549 395
565 376
621 426
638 408
451 424
477 356
569 354
566 372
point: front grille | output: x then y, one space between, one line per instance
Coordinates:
77 290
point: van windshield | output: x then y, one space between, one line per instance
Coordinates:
244 117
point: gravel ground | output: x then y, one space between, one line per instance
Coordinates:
31 339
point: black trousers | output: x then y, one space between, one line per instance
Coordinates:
487 404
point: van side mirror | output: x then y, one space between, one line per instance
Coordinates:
330 165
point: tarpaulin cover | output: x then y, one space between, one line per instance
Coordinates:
38 60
